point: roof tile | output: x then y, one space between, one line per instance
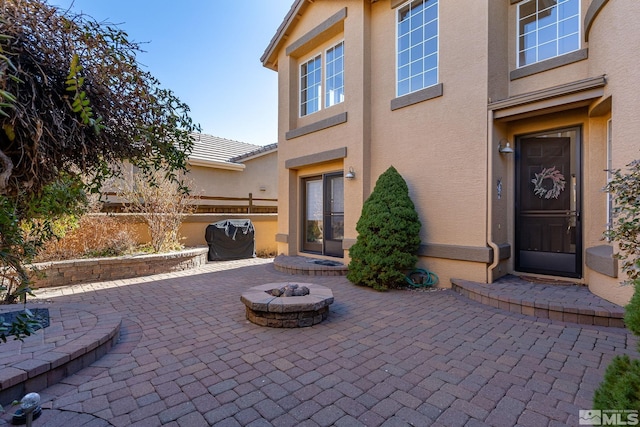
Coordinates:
215 149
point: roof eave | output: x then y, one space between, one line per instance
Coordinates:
269 58
216 165
267 149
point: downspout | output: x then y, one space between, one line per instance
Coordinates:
490 242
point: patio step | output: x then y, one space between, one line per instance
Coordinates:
565 302
309 266
77 336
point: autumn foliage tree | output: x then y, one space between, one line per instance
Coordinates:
79 101
73 101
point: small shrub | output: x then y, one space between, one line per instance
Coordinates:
625 229
621 386
96 235
388 235
23 325
632 311
162 203
266 253
27 222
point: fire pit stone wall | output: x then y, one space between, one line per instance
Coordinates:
287 312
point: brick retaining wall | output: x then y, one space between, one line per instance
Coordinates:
61 273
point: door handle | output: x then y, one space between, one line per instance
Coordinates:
573 217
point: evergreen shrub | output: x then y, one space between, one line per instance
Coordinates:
388 235
632 311
621 386
620 389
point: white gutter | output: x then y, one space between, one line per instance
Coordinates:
216 165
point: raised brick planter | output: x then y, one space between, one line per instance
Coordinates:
62 273
77 336
287 312
309 266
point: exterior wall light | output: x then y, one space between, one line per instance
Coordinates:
351 174
506 149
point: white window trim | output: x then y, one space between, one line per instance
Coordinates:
324 77
397 11
580 32
302 63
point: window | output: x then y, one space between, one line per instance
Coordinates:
311 81
546 29
417 58
310 78
334 92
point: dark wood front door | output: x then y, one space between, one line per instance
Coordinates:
548 226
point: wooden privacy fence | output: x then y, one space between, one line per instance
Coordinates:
218 204
238 205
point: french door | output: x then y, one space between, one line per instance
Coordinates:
548 218
323 214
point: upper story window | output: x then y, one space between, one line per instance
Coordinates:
334 92
546 29
417 59
311 80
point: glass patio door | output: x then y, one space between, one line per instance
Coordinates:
323 215
548 223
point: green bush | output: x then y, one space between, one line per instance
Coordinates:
388 235
632 310
621 386
625 228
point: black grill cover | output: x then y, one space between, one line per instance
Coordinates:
231 239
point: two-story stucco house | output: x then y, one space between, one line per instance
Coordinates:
501 115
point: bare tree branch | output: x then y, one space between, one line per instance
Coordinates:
7 168
81 100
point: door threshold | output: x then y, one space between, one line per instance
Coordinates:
549 280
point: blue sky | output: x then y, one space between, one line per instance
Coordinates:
208 53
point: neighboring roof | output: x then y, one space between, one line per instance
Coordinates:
266 149
213 151
269 57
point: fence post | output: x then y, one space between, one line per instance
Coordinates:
250 203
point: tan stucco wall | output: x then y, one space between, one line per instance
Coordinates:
608 54
193 229
421 140
611 53
446 147
377 138
345 135
259 172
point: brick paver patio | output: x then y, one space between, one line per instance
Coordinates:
188 357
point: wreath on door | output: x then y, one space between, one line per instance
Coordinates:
543 189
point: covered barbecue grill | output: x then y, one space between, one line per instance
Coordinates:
231 239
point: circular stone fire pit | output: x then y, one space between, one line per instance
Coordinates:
265 309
